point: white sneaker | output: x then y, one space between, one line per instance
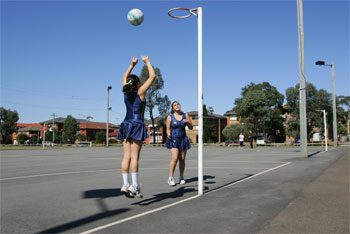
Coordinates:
135 191
182 180
171 181
124 190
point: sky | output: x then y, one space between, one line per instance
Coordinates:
59 57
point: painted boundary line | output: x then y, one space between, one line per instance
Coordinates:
175 203
117 169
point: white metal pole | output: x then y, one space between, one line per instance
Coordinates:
200 102
44 136
302 87
325 129
107 124
335 134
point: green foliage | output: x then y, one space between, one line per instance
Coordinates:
34 139
209 132
100 137
22 138
261 108
81 137
315 100
49 136
153 96
232 131
70 129
8 126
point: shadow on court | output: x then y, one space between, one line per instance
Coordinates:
174 194
99 194
80 222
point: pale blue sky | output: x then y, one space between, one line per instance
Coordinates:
60 56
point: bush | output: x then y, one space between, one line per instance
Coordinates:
21 138
100 137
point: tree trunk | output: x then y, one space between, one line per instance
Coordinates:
153 130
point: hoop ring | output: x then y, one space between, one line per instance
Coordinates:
191 12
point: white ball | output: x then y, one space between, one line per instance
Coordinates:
135 17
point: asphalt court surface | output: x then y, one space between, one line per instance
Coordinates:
77 190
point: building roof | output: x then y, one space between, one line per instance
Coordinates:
20 125
115 133
31 128
61 120
211 116
97 125
230 113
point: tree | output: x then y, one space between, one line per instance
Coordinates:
315 100
261 108
22 138
100 137
153 96
8 120
49 136
70 129
232 131
343 114
209 133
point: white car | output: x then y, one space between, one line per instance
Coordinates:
262 141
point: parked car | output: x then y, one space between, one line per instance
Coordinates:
228 142
262 141
49 143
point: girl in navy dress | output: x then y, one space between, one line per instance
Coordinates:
177 141
133 130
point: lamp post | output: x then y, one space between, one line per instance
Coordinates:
108 108
325 127
335 135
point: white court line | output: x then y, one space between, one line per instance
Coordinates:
108 170
172 204
214 190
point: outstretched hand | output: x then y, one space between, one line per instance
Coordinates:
145 59
134 61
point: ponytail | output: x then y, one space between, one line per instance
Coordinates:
130 86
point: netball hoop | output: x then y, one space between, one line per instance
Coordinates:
190 12
198 13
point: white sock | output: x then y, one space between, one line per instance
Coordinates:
126 178
135 178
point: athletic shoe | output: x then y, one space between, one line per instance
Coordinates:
171 181
135 191
182 180
124 190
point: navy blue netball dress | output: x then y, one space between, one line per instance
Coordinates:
133 126
178 134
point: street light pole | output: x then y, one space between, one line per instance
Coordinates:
108 108
302 86
335 134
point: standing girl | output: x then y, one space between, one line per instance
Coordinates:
177 140
133 130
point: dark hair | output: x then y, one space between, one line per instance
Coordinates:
131 84
172 110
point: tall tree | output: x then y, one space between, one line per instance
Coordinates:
209 133
343 114
70 129
315 100
153 96
8 120
261 107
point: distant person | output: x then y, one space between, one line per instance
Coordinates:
177 141
241 140
251 138
133 130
